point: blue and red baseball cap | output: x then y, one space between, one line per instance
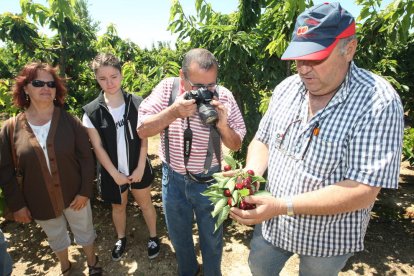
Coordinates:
318 30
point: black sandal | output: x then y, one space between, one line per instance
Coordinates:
93 270
67 269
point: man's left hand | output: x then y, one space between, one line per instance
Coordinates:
222 113
267 207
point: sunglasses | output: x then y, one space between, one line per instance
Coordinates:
282 137
39 83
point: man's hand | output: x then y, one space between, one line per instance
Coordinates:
23 215
222 113
79 202
183 108
267 207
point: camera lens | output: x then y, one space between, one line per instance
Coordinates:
208 114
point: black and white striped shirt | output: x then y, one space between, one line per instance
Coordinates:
360 138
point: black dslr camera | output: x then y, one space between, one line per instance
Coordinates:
203 97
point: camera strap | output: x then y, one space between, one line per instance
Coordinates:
188 140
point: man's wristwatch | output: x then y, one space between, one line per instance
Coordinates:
289 205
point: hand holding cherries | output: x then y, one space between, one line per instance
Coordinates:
230 191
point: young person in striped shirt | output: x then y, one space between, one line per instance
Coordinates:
186 177
330 140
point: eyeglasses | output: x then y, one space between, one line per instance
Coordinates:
195 86
39 83
293 154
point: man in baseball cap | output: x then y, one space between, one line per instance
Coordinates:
318 30
330 140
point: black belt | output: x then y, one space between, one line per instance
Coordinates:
203 179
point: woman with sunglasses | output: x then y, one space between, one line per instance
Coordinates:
50 149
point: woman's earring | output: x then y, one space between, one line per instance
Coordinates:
27 97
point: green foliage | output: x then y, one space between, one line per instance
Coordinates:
5 96
408 146
386 45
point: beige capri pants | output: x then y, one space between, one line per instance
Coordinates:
80 223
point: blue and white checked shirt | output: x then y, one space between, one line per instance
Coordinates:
360 139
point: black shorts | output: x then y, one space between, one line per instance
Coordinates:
145 182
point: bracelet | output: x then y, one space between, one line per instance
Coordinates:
289 205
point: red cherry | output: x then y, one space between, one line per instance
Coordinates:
227 168
239 186
227 193
245 182
229 201
243 205
251 172
251 206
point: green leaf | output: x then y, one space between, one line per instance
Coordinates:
222 217
235 198
244 192
258 178
219 206
216 199
220 178
230 161
231 183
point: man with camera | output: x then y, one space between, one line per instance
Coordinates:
194 116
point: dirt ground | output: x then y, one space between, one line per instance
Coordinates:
389 242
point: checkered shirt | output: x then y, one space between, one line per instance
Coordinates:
360 139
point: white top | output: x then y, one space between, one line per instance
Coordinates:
118 116
41 133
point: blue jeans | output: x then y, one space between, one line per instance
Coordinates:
266 259
6 263
182 200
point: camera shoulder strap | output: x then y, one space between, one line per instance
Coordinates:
214 146
173 95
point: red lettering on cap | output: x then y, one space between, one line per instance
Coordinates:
301 30
312 22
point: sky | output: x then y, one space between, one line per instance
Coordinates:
145 21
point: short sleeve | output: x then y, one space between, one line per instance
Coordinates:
375 149
154 103
235 118
86 121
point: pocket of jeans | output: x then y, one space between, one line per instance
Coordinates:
165 174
